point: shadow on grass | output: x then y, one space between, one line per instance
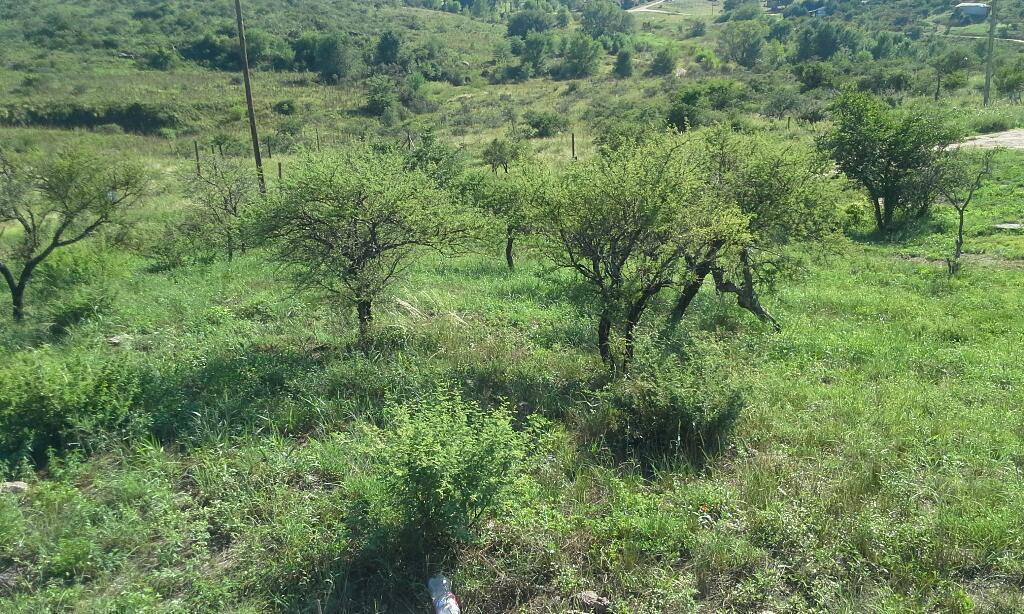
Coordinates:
901 232
228 393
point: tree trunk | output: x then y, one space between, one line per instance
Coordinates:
604 346
953 264
365 316
630 345
18 303
689 292
510 238
938 85
960 233
888 208
879 222
746 295
636 311
18 286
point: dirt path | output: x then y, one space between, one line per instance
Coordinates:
649 8
1011 139
979 259
1011 40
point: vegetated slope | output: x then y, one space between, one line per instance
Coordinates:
199 436
875 466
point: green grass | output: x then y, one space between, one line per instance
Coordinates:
224 443
875 467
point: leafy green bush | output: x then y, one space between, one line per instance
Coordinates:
664 62
623 63
57 401
446 464
284 107
987 124
546 123
700 104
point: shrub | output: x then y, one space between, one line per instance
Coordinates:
382 96
530 20
163 58
991 123
446 464
56 402
695 103
664 62
546 123
284 107
109 129
624 63
581 58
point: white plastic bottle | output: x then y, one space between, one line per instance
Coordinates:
442 596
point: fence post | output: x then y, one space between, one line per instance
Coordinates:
199 172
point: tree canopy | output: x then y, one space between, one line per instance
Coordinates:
347 222
57 200
892 153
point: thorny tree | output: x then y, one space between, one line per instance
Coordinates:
347 222
627 222
962 175
55 202
787 195
512 199
220 194
892 153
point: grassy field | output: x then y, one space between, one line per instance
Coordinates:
876 465
200 436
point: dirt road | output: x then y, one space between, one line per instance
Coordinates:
649 8
1011 139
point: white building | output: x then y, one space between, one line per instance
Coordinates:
972 9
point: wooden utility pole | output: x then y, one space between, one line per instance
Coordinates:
244 54
989 52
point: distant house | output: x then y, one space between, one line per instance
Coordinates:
972 9
819 12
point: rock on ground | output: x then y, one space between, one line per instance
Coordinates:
13 487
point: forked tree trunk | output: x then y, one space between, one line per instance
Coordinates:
746 295
18 303
18 286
